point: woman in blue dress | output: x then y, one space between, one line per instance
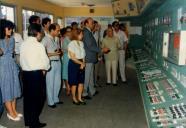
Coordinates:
66 41
9 81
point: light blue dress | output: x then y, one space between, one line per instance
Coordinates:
9 80
65 58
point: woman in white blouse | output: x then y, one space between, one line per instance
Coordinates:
76 65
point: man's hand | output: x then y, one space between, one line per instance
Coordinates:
105 50
82 66
44 72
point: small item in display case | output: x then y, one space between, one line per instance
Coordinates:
183 17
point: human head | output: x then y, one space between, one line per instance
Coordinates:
34 19
109 26
82 24
62 32
115 25
68 31
6 28
74 25
89 22
122 27
46 23
77 34
54 29
109 32
35 30
96 26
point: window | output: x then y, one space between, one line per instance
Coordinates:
60 22
26 15
7 12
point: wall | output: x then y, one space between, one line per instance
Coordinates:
135 40
84 11
37 5
153 31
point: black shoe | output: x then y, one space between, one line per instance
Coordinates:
41 125
95 93
76 103
124 82
60 102
107 83
52 106
115 85
86 97
82 102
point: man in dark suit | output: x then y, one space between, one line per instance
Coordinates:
91 50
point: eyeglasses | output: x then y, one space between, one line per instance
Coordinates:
9 28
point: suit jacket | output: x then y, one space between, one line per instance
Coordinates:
90 45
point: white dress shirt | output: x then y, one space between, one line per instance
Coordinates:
122 37
77 49
33 55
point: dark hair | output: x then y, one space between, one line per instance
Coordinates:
95 22
45 21
75 33
122 26
115 23
74 23
62 31
109 26
33 19
5 24
52 27
33 29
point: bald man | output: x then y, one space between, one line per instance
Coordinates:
91 58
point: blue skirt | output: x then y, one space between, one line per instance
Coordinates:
75 74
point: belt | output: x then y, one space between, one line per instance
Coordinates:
80 60
54 60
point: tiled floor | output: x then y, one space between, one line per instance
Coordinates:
113 107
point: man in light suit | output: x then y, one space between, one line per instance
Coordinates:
91 50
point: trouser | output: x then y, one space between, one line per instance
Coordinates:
34 94
111 69
122 64
53 82
96 72
1 104
89 80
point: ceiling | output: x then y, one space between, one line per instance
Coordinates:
81 3
121 8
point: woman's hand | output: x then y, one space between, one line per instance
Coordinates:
1 52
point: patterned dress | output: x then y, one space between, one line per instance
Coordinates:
9 81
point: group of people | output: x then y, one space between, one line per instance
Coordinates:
49 56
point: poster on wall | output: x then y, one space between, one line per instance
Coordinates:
118 10
124 8
141 4
131 6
